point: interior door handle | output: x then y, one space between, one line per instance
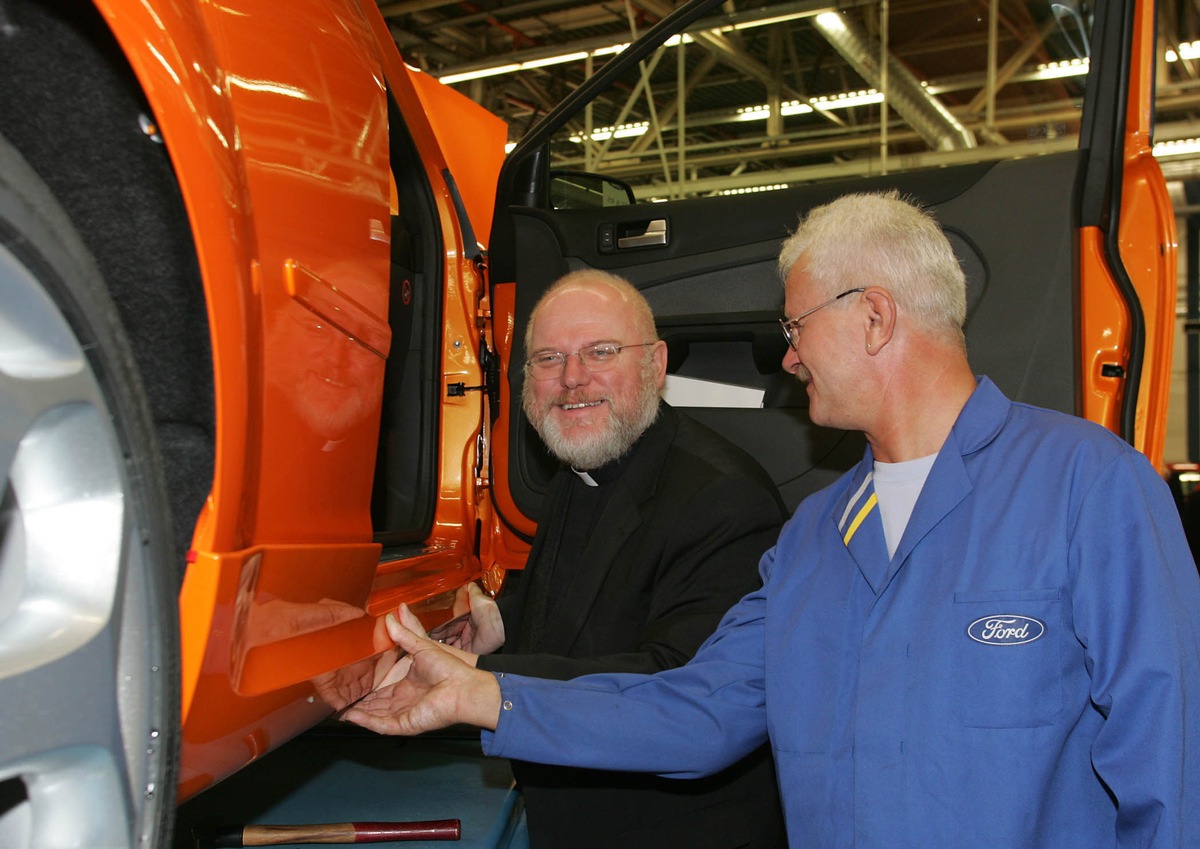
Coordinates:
654 234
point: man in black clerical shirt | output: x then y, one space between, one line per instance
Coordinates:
651 530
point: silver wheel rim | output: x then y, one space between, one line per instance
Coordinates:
79 675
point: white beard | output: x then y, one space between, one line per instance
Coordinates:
593 448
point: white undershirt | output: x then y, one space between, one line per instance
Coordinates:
897 486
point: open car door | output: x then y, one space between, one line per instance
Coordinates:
1062 223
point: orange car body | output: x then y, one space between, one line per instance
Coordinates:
1148 247
280 146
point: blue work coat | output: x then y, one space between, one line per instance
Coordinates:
1024 672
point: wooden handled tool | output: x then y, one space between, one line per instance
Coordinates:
338 832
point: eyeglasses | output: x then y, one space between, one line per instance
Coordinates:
547 365
791 326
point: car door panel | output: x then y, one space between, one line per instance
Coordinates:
717 297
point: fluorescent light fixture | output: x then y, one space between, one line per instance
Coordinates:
450 79
629 131
554 60
1177 147
763 110
749 190
1186 50
832 20
766 22
611 50
753 113
1057 70
847 99
622 131
513 67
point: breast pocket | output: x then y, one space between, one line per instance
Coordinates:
1009 666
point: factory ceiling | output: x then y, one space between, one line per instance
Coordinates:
784 90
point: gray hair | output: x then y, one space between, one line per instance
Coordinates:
885 240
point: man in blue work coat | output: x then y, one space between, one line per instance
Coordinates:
986 633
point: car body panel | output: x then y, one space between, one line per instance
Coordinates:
281 147
1148 249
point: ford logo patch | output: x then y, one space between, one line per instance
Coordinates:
1006 629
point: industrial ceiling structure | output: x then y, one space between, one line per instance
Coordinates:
772 92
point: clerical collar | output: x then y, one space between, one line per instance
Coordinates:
607 473
585 477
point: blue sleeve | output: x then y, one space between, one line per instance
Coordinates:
1136 603
686 722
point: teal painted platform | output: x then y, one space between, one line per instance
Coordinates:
335 774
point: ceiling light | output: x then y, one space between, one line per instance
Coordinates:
610 50
847 99
1186 50
450 79
762 111
794 107
1177 147
831 20
749 190
766 22
1056 70
607 50
554 60
622 131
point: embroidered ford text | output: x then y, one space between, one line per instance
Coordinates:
1005 629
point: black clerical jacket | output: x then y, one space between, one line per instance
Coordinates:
668 542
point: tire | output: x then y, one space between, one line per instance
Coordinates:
89 694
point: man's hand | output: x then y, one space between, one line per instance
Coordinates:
438 690
483 633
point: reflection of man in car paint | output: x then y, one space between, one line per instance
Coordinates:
275 620
985 634
650 531
328 377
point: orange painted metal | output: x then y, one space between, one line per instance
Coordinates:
281 149
474 159
1148 246
1104 333
282 649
